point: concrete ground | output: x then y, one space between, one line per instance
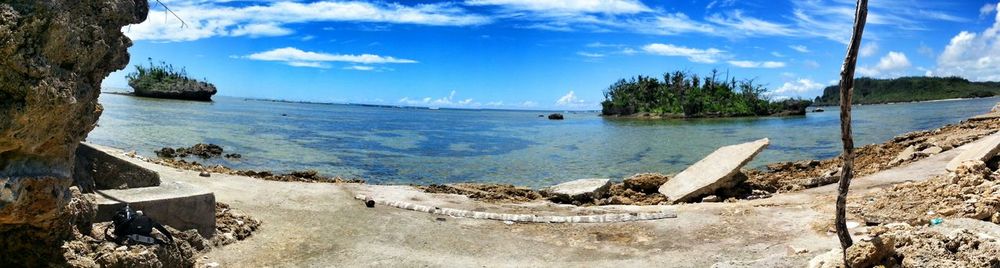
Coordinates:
322 225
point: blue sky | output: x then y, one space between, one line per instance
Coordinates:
550 54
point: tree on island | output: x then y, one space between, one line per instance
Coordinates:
680 94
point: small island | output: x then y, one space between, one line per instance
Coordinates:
682 95
910 89
162 81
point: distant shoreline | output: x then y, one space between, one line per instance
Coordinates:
379 105
906 102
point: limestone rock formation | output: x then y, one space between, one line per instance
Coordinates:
53 57
181 89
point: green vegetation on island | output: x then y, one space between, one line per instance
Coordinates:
683 95
163 81
909 89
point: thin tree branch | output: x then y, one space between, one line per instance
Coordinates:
846 92
183 24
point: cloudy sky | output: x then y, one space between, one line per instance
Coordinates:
550 54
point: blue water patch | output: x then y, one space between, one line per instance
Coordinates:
391 145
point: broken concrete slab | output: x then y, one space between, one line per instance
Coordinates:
176 204
989 116
714 172
579 190
905 155
981 150
97 170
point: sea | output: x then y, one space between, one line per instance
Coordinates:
396 145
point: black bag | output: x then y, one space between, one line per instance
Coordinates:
135 228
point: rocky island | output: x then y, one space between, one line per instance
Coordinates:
683 95
162 81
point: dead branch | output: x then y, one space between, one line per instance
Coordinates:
846 92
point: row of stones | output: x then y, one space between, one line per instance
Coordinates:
459 213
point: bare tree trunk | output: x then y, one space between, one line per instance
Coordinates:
846 90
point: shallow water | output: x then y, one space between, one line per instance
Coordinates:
392 145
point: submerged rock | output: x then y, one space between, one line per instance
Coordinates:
556 116
53 57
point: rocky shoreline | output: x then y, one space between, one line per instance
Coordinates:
761 183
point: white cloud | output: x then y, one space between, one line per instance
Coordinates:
672 24
447 101
975 56
569 99
868 49
799 87
567 6
259 30
629 51
206 19
892 64
777 54
986 10
360 68
710 55
800 48
740 24
757 64
590 55
296 57
529 104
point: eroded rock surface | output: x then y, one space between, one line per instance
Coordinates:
53 57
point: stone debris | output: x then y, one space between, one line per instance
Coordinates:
973 191
714 172
869 159
578 191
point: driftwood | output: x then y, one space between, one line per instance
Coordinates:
846 91
528 218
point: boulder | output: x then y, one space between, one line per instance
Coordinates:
981 150
714 172
932 150
905 155
645 182
556 116
581 190
53 57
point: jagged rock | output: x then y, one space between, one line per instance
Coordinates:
645 182
716 171
53 57
905 155
581 190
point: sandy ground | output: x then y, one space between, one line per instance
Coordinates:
322 225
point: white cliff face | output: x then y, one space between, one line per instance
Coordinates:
53 56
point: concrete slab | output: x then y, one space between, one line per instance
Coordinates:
713 172
989 116
98 170
177 204
981 150
582 190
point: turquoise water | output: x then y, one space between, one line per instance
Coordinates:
398 146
